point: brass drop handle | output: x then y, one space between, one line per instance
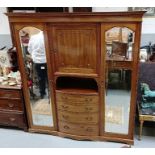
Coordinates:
11 105
90 99
86 100
64 107
89 118
12 119
66 127
89 129
65 117
64 97
88 108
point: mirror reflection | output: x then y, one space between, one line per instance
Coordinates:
117 99
119 48
119 43
33 49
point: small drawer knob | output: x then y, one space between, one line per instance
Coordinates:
12 119
11 105
66 127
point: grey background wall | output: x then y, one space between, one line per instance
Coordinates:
148 26
5 40
146 38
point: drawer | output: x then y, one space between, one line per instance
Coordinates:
11 104
11 94
74 108
78 129
147 118
76 98
87 118
11 119
120 64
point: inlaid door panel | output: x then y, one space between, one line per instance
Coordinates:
75 48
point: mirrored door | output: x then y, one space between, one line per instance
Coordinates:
36 75
119 42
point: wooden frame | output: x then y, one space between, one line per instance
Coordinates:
150 11
42 27
104 22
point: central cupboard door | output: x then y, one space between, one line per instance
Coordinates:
75 48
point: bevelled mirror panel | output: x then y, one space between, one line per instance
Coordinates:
117 101
119 55
34 56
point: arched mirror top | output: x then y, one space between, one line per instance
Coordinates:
22 26
119 43
31 30
123 34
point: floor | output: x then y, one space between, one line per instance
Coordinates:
19 139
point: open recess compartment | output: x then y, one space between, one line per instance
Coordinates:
76 83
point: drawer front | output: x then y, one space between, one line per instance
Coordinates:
11 119
120 64
76 99
11 94
147 118
87 118
74 108
78 129
11 104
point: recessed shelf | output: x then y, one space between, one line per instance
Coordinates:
76 83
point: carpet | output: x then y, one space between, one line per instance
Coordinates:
114 114
42 107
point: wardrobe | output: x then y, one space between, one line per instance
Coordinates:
90 76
